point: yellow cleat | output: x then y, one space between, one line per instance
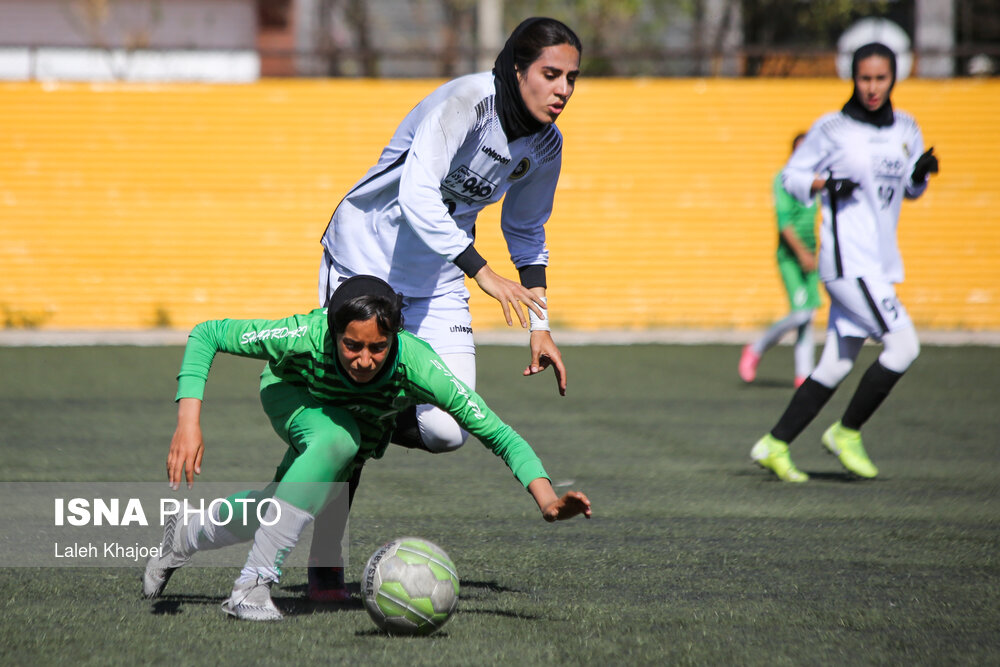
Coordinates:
845 444
772 454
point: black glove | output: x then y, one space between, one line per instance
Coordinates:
840 188
926 164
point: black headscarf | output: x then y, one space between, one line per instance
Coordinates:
855 108
515 119
345 294
356 286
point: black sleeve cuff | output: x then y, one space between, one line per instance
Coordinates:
533 275
470 261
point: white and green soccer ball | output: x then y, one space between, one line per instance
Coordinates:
410 587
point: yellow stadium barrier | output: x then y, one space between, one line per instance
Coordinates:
135 206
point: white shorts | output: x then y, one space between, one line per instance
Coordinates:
864 307
444 320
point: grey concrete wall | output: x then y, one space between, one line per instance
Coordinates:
167 24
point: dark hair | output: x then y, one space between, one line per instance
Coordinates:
535 34
873 49
798 137
387 313
361 298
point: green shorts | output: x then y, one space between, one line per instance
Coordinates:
802 287
323 444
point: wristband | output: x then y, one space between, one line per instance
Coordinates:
532 275
537 323
470 261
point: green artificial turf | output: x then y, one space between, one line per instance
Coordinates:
693 556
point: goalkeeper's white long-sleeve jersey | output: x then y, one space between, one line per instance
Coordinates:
858 233
415 211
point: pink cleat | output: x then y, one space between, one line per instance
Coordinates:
799 379
748 364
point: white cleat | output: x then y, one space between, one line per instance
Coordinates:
160 568
251 601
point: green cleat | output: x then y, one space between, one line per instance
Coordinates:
845 444
772 454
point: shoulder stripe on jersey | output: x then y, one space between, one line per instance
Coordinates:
546 144
906 118
871 304
486 112
398 162
832 126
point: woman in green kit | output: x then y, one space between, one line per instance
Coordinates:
335 380
797 266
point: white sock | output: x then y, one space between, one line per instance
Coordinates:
805 354
208 535
770 338
271 543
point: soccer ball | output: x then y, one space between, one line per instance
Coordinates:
410 587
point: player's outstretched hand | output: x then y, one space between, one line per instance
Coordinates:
545 353
571 504
840 188
926 164
187 446
510 294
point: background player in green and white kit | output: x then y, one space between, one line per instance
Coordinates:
797 265
335 380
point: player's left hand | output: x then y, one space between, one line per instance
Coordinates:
571 504
545 353
926 164
841 188
807 261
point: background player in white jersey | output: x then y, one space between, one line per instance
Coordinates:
864 159
411 220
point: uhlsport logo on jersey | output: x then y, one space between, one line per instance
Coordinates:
496 156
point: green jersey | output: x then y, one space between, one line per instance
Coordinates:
791 212
300 350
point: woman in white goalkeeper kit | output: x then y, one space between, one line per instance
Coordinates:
411 220
863 160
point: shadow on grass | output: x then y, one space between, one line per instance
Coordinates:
488 586
769 383
841 476
170 605
381 633
303 605
505 614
